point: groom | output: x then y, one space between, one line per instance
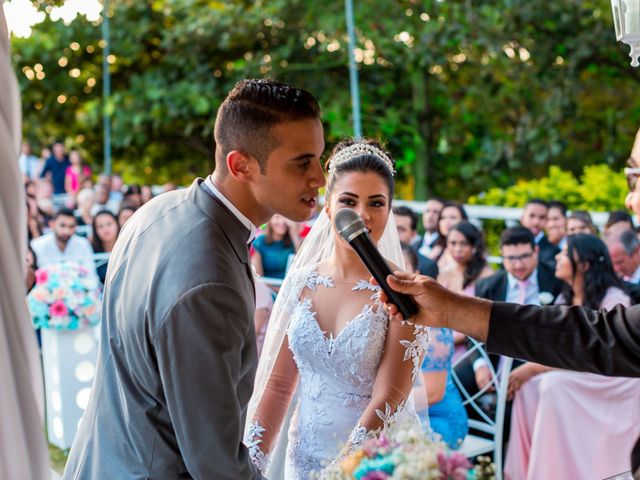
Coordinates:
177 356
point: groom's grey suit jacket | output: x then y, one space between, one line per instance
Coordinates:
177 354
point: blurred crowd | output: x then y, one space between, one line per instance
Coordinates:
74 214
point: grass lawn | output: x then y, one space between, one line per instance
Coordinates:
58 458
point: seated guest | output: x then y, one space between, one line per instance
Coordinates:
465 244
451 213
580 222
438 401
430 218
619 220
114 186
44 199
105 233
85 201
407 223
132 197
534 217
102 201
35 219
624 249
557 223
146 193
125 214
264 305
523 280
63 245
568 424
273 248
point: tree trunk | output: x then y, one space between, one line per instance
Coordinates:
422 165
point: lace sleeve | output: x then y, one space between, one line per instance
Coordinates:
264 426
439 352
405 347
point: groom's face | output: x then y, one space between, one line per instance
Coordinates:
289 184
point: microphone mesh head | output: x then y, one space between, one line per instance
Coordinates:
348 222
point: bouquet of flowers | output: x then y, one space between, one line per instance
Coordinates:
65 297
407 453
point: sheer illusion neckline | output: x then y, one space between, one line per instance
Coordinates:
314 280
328 336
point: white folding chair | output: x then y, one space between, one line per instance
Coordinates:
474 445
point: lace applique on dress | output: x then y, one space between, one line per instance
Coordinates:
314 279
389 417
360 434
416 349
252 440
364 285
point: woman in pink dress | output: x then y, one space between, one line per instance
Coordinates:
75 173
565 424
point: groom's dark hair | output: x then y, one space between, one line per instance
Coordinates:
246 116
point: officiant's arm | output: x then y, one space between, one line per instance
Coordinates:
263 428
404 350
199 349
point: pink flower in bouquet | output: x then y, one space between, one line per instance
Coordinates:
41 276
376 476
58 309
454 467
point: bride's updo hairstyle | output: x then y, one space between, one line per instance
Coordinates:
360 155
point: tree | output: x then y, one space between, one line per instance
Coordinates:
469 95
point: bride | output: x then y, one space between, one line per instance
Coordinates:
330 341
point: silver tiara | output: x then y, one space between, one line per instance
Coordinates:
358 149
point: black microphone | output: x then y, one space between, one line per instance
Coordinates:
352 229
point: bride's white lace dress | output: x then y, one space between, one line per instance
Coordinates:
336 379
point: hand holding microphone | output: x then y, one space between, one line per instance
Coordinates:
353 230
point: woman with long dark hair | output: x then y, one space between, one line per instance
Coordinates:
105 230
451 214
563 424
466 247
465 244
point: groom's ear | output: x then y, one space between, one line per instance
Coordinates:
241 166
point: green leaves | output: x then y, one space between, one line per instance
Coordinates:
468 95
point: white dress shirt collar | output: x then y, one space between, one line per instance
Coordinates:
253 230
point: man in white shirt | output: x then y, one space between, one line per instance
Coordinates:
430 218
30 165
624 248
63 245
